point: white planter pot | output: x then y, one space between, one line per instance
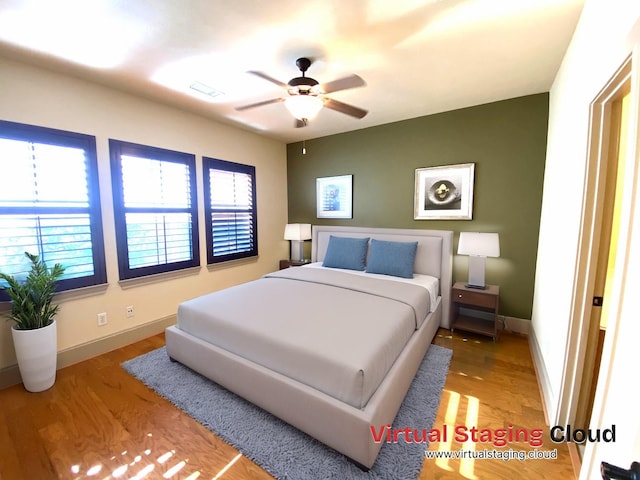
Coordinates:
37 353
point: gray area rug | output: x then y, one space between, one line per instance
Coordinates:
282 450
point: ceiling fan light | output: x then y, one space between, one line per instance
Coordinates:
303 107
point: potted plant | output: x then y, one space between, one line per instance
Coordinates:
34 333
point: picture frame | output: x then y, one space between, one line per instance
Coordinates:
334 197
444 192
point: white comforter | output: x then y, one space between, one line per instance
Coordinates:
333 331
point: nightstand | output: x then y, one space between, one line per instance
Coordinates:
291 263
473 299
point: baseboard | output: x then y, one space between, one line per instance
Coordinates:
11 375
546 392
515 325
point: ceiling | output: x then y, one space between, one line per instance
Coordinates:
417 57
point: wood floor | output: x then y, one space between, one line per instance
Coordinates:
493 386
98 422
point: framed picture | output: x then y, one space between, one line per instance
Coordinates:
444 193
334 197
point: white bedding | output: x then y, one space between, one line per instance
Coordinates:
432 284
341 341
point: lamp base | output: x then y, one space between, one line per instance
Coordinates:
297 250
476 272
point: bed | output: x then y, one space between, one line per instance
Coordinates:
330 348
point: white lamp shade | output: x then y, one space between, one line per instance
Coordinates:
303 107
479 244
297 231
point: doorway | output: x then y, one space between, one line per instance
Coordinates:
616 130
601 224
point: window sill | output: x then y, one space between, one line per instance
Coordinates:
83 292
212 267
68 295
159 277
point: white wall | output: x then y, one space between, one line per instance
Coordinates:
40 97
599 47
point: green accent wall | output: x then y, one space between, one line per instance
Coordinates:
507 142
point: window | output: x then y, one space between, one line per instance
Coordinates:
155 209
230 210
50 203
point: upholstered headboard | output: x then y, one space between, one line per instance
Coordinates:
434 255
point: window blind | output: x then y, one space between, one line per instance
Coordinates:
49 203
230 210
156 209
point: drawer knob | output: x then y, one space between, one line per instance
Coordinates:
459 295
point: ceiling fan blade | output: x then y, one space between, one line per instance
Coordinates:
260 104
344 108
268 78
345 83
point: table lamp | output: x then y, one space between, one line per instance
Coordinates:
297 233
478 246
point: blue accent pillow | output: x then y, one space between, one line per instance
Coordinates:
344 252
392 258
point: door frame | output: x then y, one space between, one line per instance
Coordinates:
590 235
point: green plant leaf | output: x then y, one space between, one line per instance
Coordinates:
32 298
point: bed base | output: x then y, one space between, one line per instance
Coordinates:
334 423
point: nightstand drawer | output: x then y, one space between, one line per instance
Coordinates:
474 298
467 305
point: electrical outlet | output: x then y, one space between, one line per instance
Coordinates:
102 319
130 311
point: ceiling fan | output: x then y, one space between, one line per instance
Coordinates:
306 96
